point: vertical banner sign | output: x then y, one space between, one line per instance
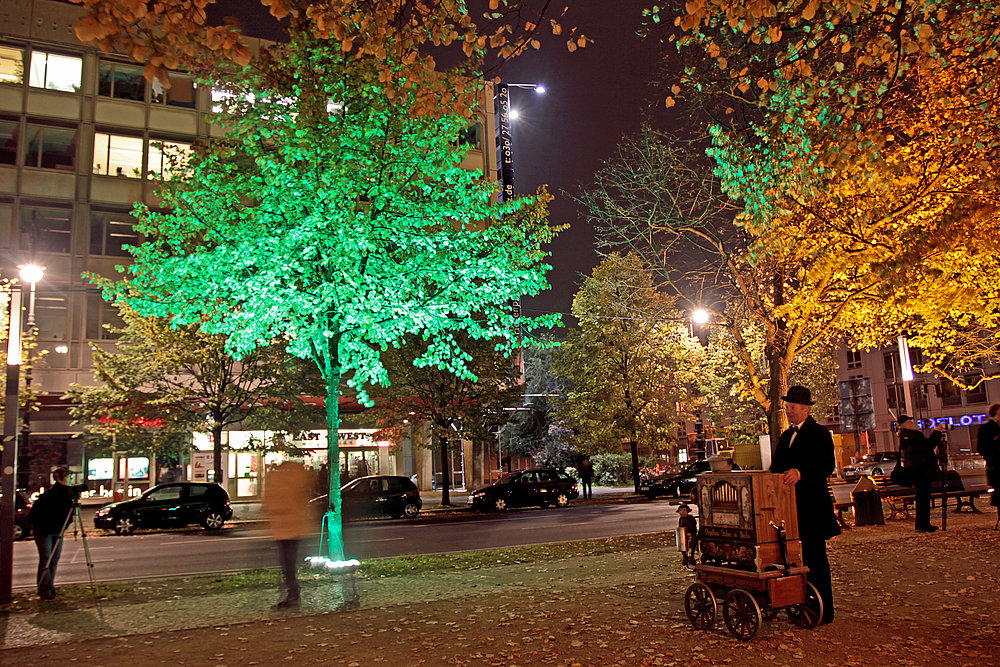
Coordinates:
505 157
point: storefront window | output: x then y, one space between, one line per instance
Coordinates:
55 72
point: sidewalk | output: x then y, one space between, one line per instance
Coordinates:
902 598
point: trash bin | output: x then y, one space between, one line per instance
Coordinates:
867 504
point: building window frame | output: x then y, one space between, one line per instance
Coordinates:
55 71
41 144
110 231
853 358
47 229
119 155
11 64
121 81
100 313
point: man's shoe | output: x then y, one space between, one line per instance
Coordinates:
47 595
927 529
288 603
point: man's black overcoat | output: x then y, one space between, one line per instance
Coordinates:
812 455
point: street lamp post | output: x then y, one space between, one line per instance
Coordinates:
30 274
8 460
505 135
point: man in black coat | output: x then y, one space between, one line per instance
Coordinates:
920 461
988 446
805 456
48 517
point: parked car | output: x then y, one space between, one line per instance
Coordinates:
376 495
166 505
876 463
21 507
678 480
542 487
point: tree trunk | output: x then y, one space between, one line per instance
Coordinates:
445 472
217 450
332 371
634 445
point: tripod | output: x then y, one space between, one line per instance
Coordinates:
73 517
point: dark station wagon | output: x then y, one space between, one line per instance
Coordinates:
168 505
542 487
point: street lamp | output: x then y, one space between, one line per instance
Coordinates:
8 459
505 137
30 274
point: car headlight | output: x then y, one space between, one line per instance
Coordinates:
103 512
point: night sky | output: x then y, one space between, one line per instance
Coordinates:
594 96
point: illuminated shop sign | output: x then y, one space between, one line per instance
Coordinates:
953 421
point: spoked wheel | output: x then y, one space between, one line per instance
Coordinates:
741 614
808 614
500 504
699 603
562 500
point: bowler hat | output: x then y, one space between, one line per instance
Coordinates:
798 394
903 419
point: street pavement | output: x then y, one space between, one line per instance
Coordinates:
902 598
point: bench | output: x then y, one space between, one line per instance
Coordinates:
899 498
840 507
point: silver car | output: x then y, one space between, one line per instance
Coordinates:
876 463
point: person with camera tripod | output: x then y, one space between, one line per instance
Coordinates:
48 518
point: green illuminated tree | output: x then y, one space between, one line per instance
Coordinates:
161 383
630 364
335 220
456 406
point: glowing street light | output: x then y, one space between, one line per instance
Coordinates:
700 316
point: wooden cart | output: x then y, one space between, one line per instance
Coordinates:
751 557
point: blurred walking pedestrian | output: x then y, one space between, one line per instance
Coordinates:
587 477
48 517
286 502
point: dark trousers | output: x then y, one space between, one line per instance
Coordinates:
814 557
993 479
49 549
922 479
587 488
288 557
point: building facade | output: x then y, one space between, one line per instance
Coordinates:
81 135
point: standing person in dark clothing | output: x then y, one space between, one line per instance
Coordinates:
805 456
920 462
48 516
286 502
587 477
988 446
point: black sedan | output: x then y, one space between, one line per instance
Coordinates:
542 487
166 505
376 496
679 480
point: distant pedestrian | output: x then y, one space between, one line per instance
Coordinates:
48 518
286 503
920 463
988 446
687 534
587 477
805 456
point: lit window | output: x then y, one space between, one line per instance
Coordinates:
166 156
55 72
854 358
124 82
116 155
8 142
46 229
50 148
110 232
11 65
180 94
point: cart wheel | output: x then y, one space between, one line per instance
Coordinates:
742 614
699 603
808 614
